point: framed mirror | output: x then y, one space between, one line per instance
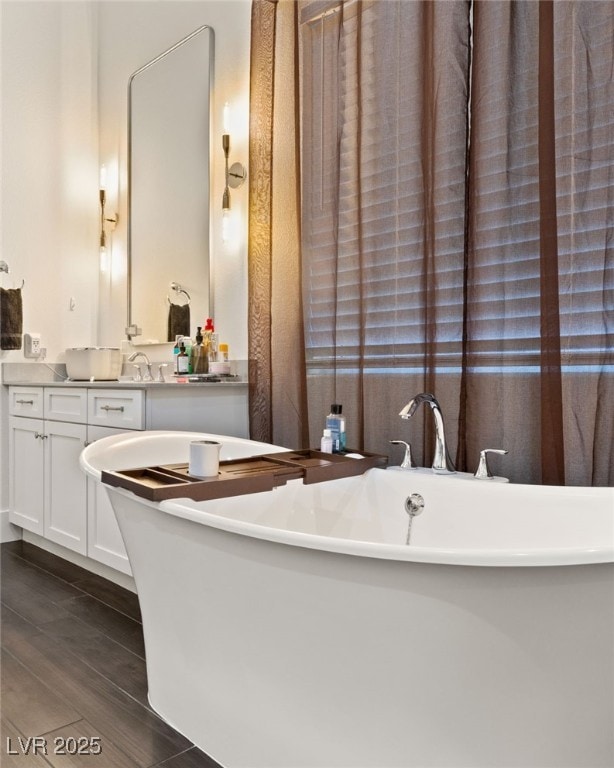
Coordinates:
169 114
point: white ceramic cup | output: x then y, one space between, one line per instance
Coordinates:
204 458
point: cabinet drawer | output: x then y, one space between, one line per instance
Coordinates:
26 401
117 408
68 404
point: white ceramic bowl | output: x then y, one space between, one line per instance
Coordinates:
93 363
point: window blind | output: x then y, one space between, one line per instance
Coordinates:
391 260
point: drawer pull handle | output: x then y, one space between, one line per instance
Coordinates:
25 402
113 408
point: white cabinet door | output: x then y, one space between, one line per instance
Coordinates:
26 473
104 540
65 508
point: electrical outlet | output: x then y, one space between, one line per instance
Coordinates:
32 345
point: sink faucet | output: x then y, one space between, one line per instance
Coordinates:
147 376
442 462
134 356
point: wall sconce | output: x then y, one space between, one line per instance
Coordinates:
104 219
234 176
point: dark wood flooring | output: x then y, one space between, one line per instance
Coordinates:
73 672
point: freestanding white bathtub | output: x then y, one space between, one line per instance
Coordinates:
296 627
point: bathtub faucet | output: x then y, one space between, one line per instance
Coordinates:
442 462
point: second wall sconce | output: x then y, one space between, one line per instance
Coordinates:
234 175
104 219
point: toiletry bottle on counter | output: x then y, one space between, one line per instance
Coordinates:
182 359
336 423
176 351
326 443
187 343
211 338
199 356
220 365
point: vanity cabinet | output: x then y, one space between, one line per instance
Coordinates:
48 493
50 424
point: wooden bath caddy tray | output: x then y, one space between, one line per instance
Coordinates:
240 476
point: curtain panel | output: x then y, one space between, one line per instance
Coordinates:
278 400
456 227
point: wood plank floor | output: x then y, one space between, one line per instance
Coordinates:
73 672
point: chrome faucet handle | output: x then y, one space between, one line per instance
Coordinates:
137 376
408 462
148 376
161 378
483 472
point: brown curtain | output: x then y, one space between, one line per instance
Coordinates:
457 163
539 251
278 403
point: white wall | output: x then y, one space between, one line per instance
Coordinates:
65 67
130 35
48 208
49 168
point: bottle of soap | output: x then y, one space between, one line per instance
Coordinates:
335 421
326 443
199 357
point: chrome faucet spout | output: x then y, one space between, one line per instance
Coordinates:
134 356
442 463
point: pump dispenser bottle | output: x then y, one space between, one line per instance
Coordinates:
199 357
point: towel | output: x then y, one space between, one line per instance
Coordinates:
178 321
11 318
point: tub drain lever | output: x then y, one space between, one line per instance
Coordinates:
414 505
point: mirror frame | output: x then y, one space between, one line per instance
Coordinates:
131 329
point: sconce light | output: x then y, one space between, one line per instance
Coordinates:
234 176
104 219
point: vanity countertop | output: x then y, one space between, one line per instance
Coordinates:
128 384
54 375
